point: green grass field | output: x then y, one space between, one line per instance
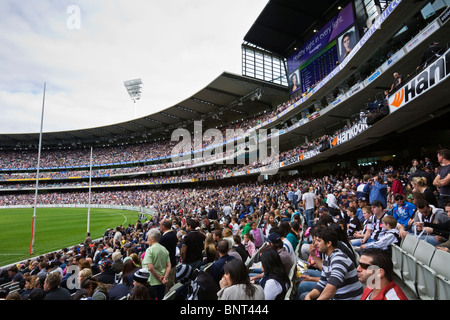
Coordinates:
56 228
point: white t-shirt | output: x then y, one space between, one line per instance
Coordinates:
332 201
309 198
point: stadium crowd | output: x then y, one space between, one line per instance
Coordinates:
144 170
305 223
108 155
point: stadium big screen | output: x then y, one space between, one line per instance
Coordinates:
318 56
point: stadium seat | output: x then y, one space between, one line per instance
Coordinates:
397 257
172 292
409 245
207 266
440 264
255 257
425 276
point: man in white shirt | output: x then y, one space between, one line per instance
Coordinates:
308 200
227 210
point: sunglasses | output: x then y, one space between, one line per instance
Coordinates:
364 265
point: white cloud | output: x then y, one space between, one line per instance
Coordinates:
176 47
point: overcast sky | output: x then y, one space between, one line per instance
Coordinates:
85 50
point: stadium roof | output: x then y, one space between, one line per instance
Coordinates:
227 98
284 24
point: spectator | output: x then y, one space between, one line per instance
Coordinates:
398 81
396 184
419 184
276 240
311 275
377 190
94 290
430 214
107 274
257 234
140 278
140 292
157 262
14 274
30 281
442 180
308 201
403 211
53 289
339 279
169 241
249 244
210 251
440 230
354 224
377 229
275 281
245 225
238 249
14 296
360 188
217 270
130 266
433 52
270 223
117 262
236 285
376 272
192 245
390 237
294 234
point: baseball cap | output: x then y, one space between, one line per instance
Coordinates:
274 237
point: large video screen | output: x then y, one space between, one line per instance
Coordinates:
318 67
319 55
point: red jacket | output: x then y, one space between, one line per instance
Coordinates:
397 187
391 292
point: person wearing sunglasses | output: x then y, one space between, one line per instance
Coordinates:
403 211
376 272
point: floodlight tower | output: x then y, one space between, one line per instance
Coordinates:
134 88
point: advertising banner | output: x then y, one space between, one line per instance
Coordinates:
436 72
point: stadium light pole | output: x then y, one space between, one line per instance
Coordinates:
89 203
33 224
134 88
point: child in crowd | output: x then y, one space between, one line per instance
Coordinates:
354 223
249 244
257 234
389 238
360 237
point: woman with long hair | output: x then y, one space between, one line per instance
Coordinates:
275 280
210 253
236 285
94 290
130 266
270 223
